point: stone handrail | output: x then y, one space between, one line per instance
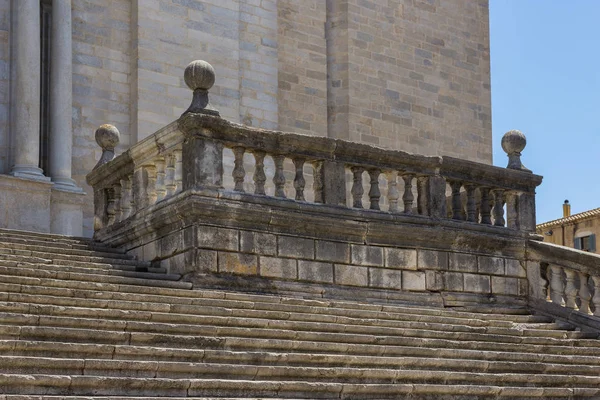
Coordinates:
564 277
188 155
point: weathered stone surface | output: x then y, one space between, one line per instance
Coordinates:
385 278
217 238
288 246
332 251
238 263
258 243
462 262
454 281
432 260
274 267
367 255
515 268
315 271
477 283
351 275
413 280
400 258
502 285
490 265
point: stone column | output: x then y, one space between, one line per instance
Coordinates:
61 97
27 94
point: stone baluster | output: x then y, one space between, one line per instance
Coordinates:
408 197
357 187
393 193
374 192
422 195
585 296
178 169
126 198
111 206
471 203
498 207
544 282
457 208
299 181
596 298
486 209
279 177
556 285
239 173
161 189
570 289
117 194
170 183
318 184
144 184
512 210
259 172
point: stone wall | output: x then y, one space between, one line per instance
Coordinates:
4 84
410 75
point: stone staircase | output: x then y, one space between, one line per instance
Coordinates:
80 319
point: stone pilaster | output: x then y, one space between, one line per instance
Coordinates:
61 97
26 135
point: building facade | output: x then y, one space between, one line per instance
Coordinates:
402 74
578 231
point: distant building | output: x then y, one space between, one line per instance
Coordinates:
577 231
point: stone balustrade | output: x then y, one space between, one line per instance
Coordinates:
205 195
564 281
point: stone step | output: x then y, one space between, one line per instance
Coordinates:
88 246
77 280
45 237
114 386
249 339
434 372
406 357
349 326
46 258
61 250
243 301
50 270
165 312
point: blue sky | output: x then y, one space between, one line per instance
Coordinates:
546 82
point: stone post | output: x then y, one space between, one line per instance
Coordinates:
27 95
61 98
513 143
332 175
202 158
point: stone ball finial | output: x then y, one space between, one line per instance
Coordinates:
199 75
108 137
513 143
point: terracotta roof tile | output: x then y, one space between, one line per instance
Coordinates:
572 218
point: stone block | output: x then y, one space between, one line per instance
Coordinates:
238 263
315 271
523 286
332 251
514 268
413 280
215 238
462 262
454 281
367 255
400 258
491 265
192 260
351 275
477 283
258 243
433 260
274 267
171 244
289 246
66 212
503 285
434 281
25 204
385 278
